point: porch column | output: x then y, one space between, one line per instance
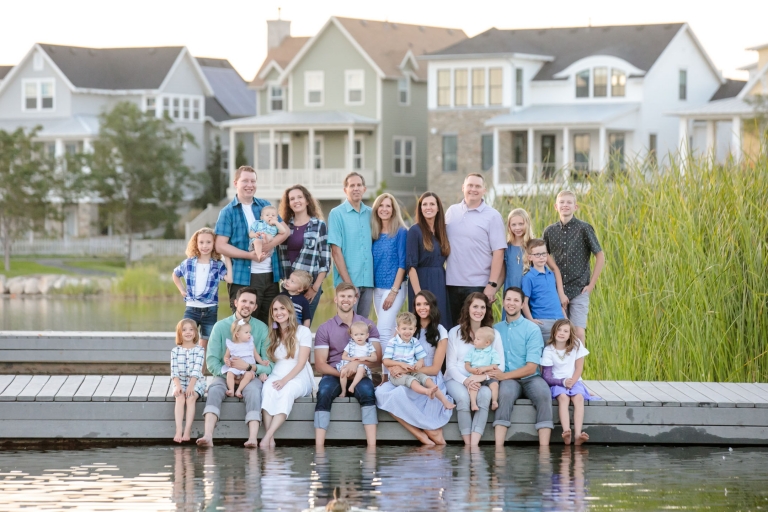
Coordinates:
495 156
231 164
529 171
601 148
682 143
736 149
351 149
711 136
311 157
271 152
87 149
566 154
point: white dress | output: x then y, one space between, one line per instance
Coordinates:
281 401
242 350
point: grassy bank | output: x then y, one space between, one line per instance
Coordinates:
684 295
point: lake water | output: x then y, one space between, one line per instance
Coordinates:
391 478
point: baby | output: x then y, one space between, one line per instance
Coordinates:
241 346
359 349
409 356
482 359
262 231
294 287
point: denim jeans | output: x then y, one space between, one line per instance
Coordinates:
204 318
314 302
330 387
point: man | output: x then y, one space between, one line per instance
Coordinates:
523 346
478 241
245 305
232 240
349 235
330 341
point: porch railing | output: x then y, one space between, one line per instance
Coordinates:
280 179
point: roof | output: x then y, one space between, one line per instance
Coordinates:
4 70
304 119
568 114
716 109
233 97
758 47
280 55
114 68
729 89
640 45
214 110
75 126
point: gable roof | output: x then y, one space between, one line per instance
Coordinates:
4 70
640 45
730 89
232 96
280 55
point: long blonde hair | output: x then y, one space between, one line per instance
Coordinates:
192 250
276 334
527 235
395 223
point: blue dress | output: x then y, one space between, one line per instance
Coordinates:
412 407
513 262
430 267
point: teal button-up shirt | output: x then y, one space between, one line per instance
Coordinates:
350 230
522 343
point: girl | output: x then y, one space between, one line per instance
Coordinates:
519 233
241 345
202 271
562 363
358 349
187 374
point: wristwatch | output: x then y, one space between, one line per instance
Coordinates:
487 377
250 367
494 284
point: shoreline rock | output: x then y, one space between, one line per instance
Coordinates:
49 284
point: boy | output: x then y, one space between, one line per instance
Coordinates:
262 231
541 305
482 359
570 243
408 357
294 288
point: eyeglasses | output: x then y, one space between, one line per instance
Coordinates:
539 254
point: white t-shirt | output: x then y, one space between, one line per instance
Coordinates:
257 267
562 369
202 271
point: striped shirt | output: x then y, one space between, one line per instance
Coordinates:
407 352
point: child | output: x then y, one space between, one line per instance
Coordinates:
262 231
409 356
241 346
483 358
202 271
519 233
294 288
358 349
187 374
562 363
542 304
573 241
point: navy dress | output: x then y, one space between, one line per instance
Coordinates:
430 267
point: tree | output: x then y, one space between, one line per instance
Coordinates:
213 182
240 158
137 169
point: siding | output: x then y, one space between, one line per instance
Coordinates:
10 100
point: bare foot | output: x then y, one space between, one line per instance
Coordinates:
239 394
494 405
351 390
230 392
474 407
581 438
424 439
343 393
567 436
447 403
272 443
436 436
432 392
205 441
265 443
185 437
177 438
251 443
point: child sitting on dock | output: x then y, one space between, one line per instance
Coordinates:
187 373
240 346
294 288
202 271
359 349
562 364
262 231
405 353
483 359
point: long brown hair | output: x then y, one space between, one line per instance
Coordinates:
313 208
571 343
465 328
440 232
180 325
276 334
192 250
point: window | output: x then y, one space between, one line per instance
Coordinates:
601 83
354 86
319 150
313 83
403 91
616 143
618 83
195 109
275 98
460 87
519 87
186 102
402 157
486 150
581 144
178 107
443 87
652 149
683 92
150 106
582 84
478 86
518 171
494 90
37 95
73 148
357 156
450 147
167 107
176 110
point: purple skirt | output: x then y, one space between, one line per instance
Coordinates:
578 389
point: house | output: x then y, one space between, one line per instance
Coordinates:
352 97
543 105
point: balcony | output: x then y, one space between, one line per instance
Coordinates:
323 183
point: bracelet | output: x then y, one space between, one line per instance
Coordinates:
394 290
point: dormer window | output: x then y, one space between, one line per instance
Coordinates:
582 84
275 98
37 95
602 87
150 106
403 91
618 83
495 86
601 83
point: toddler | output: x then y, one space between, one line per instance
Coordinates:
262 231
294 288
240 346
482 359
187 374
359 349
409 356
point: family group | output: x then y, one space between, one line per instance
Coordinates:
442 353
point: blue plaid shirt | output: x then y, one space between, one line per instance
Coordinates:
210 295
407 352
233 224
315 254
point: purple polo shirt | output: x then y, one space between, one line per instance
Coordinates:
334 335
474 234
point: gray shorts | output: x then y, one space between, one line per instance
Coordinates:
407 379
546 327
578 309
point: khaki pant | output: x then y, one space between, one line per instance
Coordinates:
407 379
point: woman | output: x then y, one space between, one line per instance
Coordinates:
427 248
422 417
389 234
475 313
291 378
307 246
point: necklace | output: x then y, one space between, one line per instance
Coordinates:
561 357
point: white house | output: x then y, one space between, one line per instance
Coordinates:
536 105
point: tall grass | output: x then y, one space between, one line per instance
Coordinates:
684 295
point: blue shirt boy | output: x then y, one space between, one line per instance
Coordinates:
541 290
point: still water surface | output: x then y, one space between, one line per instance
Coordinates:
392 478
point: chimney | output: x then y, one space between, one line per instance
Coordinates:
277 30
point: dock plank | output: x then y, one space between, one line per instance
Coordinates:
702 399
14 388
87 388
675 394
50 389
67 391
739 400
34 387
608 396
629 398
722 401
665 399
4 381
159 388
648 399
754 393
123 388
141 388
105 388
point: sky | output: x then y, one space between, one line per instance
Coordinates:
236 29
